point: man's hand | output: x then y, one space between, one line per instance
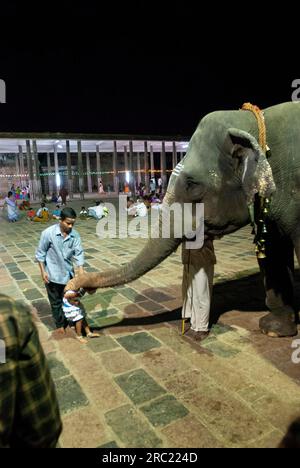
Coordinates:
79 271
45 278
80 281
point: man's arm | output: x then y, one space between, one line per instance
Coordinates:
78 255
41 254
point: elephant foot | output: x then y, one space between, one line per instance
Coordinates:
277 326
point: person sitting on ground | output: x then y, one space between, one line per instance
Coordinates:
25 205
54 198
83 213
141 208
56 213
147 201
155 198
29 416
31 213
42 214
75 313
131 207
97 211
12 209
44 198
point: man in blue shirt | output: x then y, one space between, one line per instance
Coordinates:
59 246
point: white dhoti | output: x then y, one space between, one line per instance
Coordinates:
197 285
196 293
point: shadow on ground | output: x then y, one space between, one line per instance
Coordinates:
239 303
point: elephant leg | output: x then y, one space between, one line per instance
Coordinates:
277 269
296 242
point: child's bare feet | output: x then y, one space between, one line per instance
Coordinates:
81 339
93 335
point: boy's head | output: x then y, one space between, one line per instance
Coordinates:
57 206
67 219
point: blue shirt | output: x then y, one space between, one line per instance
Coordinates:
57 253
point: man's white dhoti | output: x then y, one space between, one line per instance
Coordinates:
197 284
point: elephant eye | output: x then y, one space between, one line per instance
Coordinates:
189 182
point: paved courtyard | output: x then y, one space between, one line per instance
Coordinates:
142 384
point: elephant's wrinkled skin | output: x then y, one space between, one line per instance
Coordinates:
223 168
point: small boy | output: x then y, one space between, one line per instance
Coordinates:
56 213
74 312
83 213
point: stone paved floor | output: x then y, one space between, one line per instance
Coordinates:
144 385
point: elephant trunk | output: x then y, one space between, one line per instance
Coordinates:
152 254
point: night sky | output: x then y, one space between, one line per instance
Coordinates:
149 72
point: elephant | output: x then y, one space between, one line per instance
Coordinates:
226 169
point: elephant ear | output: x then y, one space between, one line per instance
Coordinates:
250 164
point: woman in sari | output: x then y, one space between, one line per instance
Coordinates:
12 210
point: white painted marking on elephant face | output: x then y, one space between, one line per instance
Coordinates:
177 170
245 168
2 352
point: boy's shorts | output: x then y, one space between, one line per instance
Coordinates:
72 312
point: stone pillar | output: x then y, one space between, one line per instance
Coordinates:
146 167
152 162
98 165
50 176
57 183
115 168
174 155
131 171
139 176
18 172
69 168
126 165
88 173
80 171
30 170
163 165
22 168
37 170
17 165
